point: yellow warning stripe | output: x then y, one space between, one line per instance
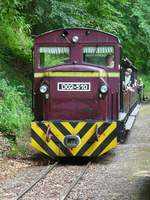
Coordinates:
84 140
111 145
37 146
42 135
101 139
72 130
86 137
55 131
76 74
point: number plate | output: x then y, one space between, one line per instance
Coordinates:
72 86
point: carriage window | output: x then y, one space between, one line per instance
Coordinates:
103 56
51 56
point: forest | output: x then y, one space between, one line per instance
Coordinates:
20 21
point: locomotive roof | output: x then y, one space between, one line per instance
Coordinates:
67 29
128 64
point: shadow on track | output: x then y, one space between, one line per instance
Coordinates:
42 159
142 186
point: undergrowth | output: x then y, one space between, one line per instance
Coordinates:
15 113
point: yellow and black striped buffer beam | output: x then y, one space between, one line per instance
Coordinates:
96 138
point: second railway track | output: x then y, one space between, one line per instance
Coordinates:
42 176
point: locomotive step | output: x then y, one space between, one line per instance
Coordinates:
129 123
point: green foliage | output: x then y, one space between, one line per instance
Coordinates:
15 40
15 60
14 113
18 150
53 14
128 19
146 80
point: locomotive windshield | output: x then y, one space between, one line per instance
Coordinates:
100 55
51 56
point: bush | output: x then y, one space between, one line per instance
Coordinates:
15 70
15 114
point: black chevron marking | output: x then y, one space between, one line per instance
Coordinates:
103 127
43 145
56 141
90 141
85 129
104 144
61 128
74 124
42 126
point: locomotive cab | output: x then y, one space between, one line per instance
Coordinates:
76 92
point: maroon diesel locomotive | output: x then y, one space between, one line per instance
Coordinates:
84 97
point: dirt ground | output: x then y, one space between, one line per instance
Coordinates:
122 174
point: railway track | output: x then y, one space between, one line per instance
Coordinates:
43 175
65 195
46 171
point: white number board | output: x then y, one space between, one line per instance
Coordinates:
74 86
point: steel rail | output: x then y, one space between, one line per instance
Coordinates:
43 175
65 195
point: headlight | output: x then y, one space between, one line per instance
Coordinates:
104 89
75 39
43 88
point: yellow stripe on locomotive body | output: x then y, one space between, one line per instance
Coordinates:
96 138
76 74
